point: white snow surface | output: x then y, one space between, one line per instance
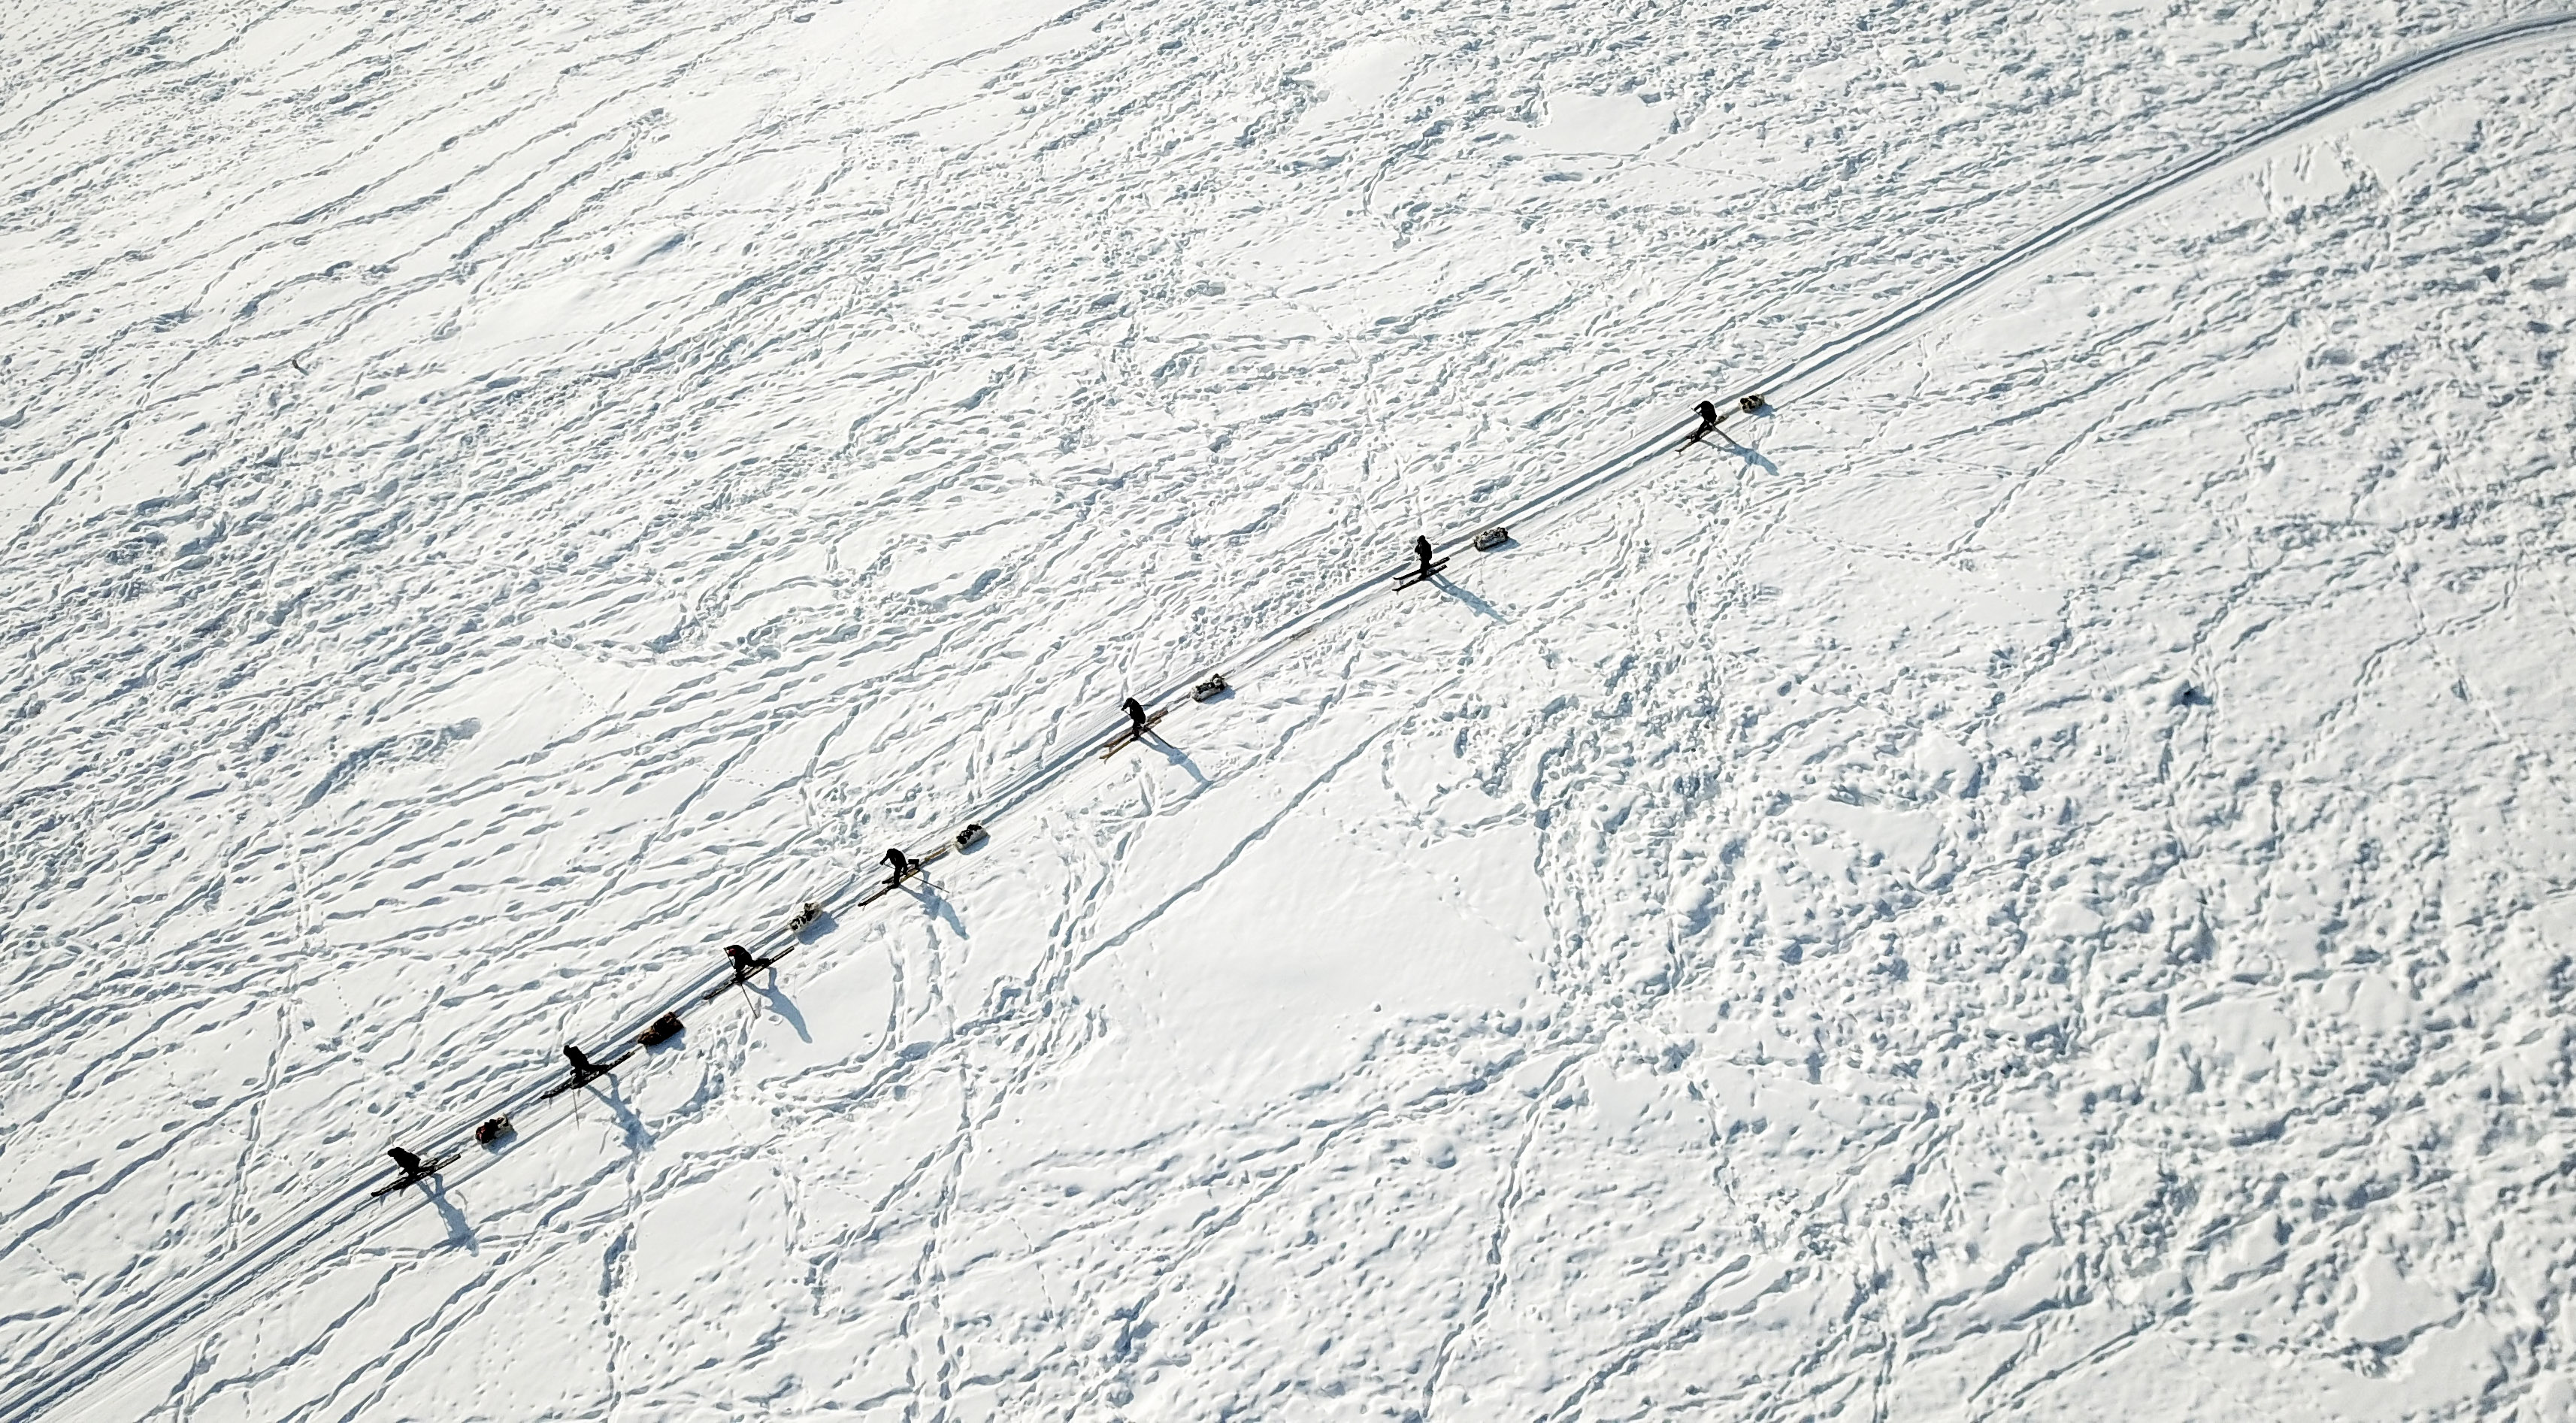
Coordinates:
2036 880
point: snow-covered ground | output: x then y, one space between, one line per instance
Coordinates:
2041 883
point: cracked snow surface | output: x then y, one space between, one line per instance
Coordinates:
2034 878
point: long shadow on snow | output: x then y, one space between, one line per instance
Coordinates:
1470 599
190 1297
785 1007
934 901
779 1003
459 1232
638 1136
152 1326
1181 758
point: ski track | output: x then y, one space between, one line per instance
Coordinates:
2039 872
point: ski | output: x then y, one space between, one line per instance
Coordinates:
887 887
585 1079
935 852
1124 739
1412 576
972 835
428 1168
1711 420
910 868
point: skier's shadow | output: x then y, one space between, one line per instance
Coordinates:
638 1136
1181 758
458 1232
934 901
1470 599
785 1007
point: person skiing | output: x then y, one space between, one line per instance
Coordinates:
583 1068
1136 722
901 865
744 965
1422 555
1707 421
413 1168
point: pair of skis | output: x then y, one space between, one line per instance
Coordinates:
743 973
740 977
663 1029
667 1026
1412 576
428 1168
1131 735
1744 405
910 869
597 1071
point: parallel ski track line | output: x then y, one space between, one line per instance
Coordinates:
192 1298
1803 373
175 1307
134 1335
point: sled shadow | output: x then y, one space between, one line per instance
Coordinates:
1470 599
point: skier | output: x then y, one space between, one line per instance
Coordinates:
744 965
583 1069
1136 717
1707 421
413 1168
1422 553
897 862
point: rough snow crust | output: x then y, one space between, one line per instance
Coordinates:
2039 886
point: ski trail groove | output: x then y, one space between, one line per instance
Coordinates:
1808 373
1804 373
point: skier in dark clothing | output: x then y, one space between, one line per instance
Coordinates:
413 1168
1707 421
582 1067
901 865
744 965
1136 716
1422 554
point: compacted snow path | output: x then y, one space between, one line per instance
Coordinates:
2034 880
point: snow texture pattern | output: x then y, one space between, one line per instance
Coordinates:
2037 878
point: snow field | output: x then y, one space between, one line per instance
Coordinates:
2042 880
